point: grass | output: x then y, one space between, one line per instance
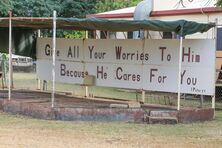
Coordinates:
29 81
20 131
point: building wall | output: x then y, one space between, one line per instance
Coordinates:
201 18
174 4
161 5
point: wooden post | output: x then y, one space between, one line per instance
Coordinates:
201 101
143 95
2 80
86 36
213 102
86 91
44 85
38 84
12 82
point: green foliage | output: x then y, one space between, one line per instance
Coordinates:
44 8
5 7
3 50
77 8
219 3
4 61
74 34
107 5
34 8
4 56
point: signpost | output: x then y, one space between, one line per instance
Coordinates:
125 64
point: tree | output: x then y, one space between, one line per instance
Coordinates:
44 8
5 7
77 8
219 3
40 8
107 5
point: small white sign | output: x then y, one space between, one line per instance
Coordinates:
135 64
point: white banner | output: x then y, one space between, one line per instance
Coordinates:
135 64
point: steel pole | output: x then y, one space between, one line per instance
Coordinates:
10 57
53 59
215 79
179 73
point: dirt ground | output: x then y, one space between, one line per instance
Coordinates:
61 100
25 132
19 131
